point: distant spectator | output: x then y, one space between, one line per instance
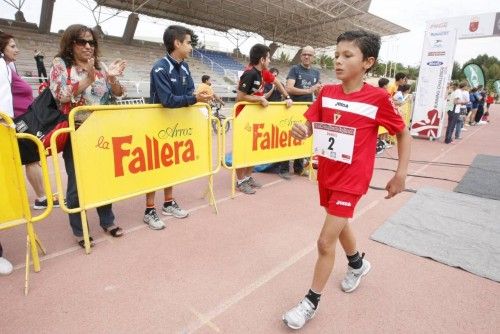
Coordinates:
474 100
400 97
458 103
271 92
489 100
480 104
383 83
40 66
399 79
303 83
206 87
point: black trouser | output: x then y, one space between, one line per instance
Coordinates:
480 113
298 166
452 121
42 73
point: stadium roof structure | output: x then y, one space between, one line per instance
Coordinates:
292 22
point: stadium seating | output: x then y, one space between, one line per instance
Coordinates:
221 67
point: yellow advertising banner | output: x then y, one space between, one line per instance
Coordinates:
263 135
11 178
122 151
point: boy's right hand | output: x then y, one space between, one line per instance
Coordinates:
300 131
203 97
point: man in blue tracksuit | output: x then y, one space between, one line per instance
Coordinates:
173 87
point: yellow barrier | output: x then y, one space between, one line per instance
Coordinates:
124 151
406 111
263 135
14 204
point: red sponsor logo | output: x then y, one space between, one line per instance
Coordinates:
276 138
138 159
428 127
474 24
346 156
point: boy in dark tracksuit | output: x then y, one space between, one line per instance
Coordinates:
173 87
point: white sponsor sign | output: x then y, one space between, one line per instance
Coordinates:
435 72
472 26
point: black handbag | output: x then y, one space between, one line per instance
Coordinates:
42 118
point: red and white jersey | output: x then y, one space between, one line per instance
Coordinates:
365 110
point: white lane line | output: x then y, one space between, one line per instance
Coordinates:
262 280
132 229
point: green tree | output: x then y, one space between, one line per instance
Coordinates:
194 40
284 58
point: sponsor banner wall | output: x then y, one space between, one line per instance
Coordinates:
134 149
263 135
435 73
472 26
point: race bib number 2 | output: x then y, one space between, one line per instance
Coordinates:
333 141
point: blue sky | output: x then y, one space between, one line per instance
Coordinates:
405 48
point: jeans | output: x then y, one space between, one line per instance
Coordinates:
452 120
106 216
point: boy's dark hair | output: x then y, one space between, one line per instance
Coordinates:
369 43
258 51
205 78
404 88
462 84
274 70
382 82
473 90
173 33
399 76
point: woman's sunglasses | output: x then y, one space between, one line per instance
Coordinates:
83 42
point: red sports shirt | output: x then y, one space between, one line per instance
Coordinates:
365 110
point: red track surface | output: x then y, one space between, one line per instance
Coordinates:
238 271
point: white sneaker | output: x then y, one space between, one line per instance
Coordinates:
154 222
174 210
5 266
353 276
297 317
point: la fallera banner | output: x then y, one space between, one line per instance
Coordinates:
119 153
263 135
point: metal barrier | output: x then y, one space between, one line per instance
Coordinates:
263 135
139 149
14 204
406 111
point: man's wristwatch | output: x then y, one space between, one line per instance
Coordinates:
288 97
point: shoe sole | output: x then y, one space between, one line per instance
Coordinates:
172 215
359 281
295 327
247 192
288 325
154 228
36 207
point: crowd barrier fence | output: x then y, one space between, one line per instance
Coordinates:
121 151
14 203
262 135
